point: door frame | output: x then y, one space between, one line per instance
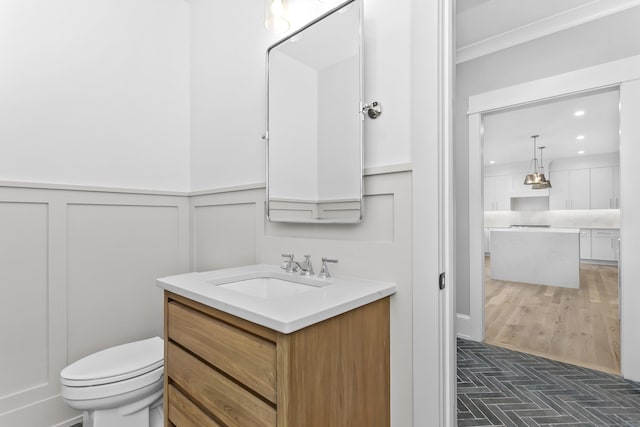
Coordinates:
623 73
434 350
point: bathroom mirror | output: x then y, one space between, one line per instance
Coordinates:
314 121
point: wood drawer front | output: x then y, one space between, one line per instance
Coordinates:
184 413
229 402
245 357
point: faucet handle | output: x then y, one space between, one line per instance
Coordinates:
290 265
324 269
306 268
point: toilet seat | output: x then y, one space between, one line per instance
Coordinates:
105 391
125 362
124 370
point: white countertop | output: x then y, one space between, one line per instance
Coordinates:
537 230
335 296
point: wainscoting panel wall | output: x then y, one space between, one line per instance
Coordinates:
224 234
78 270
377 248
23 272
140 243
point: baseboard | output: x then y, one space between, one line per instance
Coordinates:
70 423
463 327
51 412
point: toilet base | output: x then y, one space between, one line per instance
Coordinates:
127 416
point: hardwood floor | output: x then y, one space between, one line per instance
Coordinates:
577 326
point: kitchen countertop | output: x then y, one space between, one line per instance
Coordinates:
286 314
537 230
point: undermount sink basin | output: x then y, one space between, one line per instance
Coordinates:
269 287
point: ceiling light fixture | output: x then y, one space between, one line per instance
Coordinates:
534 176
580 137
581 152
275 12
491 162
579 113
546 183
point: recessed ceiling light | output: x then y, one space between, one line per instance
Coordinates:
581 152
491 162
579 113
580 137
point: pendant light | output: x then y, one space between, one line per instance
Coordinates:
275 13
546 183
534 177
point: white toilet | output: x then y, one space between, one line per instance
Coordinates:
118 387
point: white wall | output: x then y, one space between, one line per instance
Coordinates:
229 42
596 42
95 92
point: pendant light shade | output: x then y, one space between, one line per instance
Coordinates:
534 176
546 183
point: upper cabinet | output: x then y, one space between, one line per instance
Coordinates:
570 190
605 183
497 193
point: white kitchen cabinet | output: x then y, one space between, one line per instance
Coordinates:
604 244
497 193
585 244
570 190
605 184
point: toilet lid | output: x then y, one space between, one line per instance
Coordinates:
115 364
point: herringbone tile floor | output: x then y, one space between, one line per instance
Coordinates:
500 387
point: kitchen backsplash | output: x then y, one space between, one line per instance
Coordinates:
593 218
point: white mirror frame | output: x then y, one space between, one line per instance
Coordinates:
359 4
625 74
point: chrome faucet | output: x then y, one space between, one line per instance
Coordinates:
306 269
290 266
324 269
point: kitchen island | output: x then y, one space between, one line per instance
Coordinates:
543 256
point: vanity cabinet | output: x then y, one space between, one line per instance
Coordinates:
221 370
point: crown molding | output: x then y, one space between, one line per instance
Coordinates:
552 24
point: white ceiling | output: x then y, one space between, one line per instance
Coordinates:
507 134
478 20
487 26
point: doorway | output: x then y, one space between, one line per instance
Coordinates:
623 74
553 288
